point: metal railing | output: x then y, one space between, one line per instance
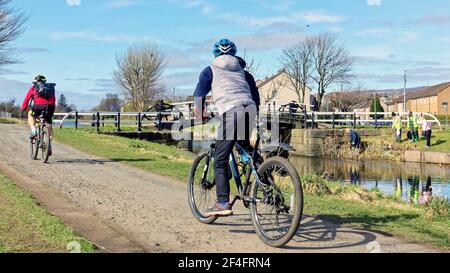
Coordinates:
184 111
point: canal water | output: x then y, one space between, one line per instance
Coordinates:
406 180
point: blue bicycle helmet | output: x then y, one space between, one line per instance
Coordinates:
223 47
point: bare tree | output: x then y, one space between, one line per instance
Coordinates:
349 97
12 23
110 103
138 74
252 65
274 88
332 63
297 62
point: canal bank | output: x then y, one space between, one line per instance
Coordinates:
376 144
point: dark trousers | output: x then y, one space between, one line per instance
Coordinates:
236 125
428 137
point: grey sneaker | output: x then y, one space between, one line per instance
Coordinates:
219 210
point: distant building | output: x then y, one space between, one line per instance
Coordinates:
430 100
277 88
366 105
5 114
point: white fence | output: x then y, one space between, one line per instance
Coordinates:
184 109
5 114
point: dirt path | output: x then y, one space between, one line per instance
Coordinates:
153 210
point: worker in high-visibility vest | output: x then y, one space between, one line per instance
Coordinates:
416 126
397 126
413 124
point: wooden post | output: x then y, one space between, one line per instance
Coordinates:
159 121
334 119
312 120
98 122
118 122
139 122
306 118
103 121
376 120
191 128
354 120
76 120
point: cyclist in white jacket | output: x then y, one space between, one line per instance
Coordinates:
237 100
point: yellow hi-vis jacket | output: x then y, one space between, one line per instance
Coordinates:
413 122
397 123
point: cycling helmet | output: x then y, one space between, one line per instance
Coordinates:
223 47
39 78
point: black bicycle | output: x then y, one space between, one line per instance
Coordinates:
272 191
42 140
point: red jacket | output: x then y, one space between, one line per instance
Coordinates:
37 100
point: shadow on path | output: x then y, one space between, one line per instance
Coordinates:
100 161
322 231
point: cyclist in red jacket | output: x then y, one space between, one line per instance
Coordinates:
41 97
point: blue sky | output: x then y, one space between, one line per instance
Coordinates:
74 42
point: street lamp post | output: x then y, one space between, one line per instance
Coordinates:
404 93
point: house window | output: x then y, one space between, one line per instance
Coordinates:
274 93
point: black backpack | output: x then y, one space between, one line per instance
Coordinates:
45 90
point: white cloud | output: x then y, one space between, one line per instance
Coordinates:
118 4
374 32
13 89
385 33
179 59
408 36
374 2
374 51
73 2
91 35
293 18
261 41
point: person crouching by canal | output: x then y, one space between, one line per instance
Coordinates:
397 126
413 127
426 129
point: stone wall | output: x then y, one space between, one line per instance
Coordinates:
310 142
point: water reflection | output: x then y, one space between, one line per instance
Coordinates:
412 182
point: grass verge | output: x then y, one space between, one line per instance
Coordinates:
26 227
440 141
343 204
11 121
154 157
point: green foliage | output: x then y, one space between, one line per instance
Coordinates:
375 106
439 207
315 184
63 106
110 103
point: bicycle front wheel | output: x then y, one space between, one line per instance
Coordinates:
201 188
277 206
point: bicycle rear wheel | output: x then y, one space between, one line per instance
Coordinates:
277 208
34 148
201 188
45 144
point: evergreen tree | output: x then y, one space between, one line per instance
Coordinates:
376 107
63 105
